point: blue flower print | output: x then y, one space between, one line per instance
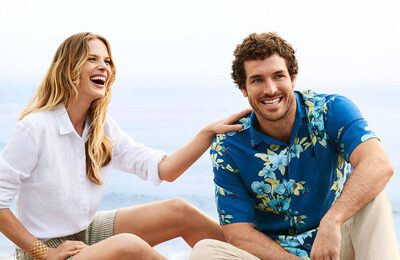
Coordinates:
296 150
316 127
297 220
285 188
298 252
267 172
279 205
261 188
292 243
319 102
224 218
316 108
370 134
279 161
245 122
231 133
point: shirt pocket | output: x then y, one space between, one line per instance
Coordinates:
319 175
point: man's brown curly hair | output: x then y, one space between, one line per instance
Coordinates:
259 47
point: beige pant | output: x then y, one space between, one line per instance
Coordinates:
368 235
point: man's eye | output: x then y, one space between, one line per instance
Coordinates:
279 76
256 81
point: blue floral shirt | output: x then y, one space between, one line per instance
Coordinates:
285 190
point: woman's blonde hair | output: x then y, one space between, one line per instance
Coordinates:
61 83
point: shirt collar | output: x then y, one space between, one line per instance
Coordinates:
65 125
258 137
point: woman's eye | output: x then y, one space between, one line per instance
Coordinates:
91 59
108 62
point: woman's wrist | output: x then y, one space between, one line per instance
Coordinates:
38 250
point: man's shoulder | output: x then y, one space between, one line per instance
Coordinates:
310 96
235 136
227 144
319 103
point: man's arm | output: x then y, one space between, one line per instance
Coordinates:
244 236
371 172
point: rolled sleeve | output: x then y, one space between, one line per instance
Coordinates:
233 207
17 161
133 157
357 133
234 203
346 126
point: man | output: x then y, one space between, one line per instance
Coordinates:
304 177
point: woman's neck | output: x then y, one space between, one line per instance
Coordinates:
77 112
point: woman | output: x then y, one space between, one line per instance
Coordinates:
61 153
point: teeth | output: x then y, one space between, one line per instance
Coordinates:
98 78
271 102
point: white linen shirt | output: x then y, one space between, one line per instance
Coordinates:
44 167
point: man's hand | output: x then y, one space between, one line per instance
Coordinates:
65 250
327 242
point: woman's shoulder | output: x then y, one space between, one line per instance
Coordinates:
111 127
38 120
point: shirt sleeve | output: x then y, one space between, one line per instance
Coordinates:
346 127
133 157
234 204
17 161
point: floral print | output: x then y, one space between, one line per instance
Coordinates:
286 188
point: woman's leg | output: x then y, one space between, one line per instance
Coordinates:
121 246
160 221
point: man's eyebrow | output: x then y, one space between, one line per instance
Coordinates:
254 76
279 72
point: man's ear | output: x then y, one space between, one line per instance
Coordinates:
244 91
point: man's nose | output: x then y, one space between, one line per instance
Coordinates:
270 88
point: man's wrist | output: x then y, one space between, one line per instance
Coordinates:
289 256
333 217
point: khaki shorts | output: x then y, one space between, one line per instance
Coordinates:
102 227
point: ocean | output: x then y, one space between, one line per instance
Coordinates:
166 118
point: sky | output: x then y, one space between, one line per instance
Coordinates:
183 43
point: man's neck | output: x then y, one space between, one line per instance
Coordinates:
279 129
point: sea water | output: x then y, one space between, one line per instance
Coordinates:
166 118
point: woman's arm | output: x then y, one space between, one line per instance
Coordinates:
172 166
13 229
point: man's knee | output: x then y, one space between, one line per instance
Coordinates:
211 249
370 234
204 249
377 211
